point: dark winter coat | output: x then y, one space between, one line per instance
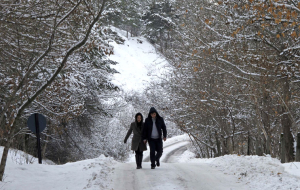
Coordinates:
148 125
137 136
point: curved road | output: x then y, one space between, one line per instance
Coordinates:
171 175
176 150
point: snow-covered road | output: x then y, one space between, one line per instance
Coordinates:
179 170
171 151
172 175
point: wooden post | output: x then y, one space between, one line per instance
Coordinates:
298 148
282 145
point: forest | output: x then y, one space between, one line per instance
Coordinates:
233 84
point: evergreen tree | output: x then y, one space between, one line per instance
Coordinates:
158 20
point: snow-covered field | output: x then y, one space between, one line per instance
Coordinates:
254 172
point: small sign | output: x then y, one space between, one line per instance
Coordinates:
31 122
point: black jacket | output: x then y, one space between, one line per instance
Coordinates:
160 125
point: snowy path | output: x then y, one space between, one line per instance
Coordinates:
172 176
179 170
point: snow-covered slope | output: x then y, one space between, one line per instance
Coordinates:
139 63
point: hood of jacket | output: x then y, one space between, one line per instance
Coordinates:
152 110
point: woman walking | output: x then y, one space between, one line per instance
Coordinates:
137 144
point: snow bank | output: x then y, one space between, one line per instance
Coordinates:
87 174
176 139
292 168
258 172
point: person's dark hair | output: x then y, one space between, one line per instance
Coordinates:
136 115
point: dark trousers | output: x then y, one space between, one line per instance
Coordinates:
156 145
139 152
139 158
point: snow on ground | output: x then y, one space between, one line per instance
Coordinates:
257 172
87 174
139 63
252 172
292 168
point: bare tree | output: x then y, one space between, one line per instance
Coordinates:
37 39
236 74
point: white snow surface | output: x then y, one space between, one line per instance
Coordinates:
86 174
138 63
185 172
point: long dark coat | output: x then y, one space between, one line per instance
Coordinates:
137 137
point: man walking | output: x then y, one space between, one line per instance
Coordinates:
153 126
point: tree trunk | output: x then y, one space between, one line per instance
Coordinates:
282 147
268 146
26 139
286 122
3 159
258 148
218 145
249 142
229 145
207 152
233 130
5 152
298 148
266 119
45 147
161 40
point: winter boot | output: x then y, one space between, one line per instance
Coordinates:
137 158
141 160
157 163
